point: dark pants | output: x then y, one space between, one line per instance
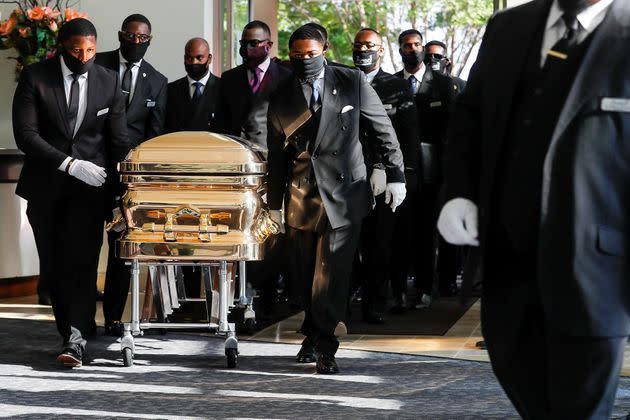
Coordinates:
546 376
321 266
68 233
372 268
117 278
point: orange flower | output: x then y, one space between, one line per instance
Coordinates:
25 32
7 26
52 24
50 13
35 14
73 14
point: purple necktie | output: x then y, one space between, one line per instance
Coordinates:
256 80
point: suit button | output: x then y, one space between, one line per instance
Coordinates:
538 91
343 128
527 122
341 178
335 153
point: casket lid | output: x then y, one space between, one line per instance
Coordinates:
196 152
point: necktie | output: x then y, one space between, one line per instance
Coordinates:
73 105
256 80
413 84
314 104
560 51
197 94
126 83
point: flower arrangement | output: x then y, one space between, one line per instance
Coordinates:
32 29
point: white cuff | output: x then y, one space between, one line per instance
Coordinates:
64 164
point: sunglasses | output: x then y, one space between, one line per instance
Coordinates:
130 36
436 56
368 45
252 42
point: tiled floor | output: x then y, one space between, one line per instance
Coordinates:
458 343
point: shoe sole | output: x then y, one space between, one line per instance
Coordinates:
69 361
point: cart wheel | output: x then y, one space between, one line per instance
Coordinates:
232 356
127 357
250 326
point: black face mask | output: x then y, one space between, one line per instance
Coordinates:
412 59
573 6
196 71
365 59
75 65
309 68
438 66
133 52
252 57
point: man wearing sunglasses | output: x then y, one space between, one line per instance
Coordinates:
245 89
376 244
144 91
436 58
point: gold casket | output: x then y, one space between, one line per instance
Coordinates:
194 196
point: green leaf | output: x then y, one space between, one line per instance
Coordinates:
30 59
41 34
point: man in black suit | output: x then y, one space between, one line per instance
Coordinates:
537 177
377 243
433 95
245 89
69 120
144 91
436 58
317 170
192 100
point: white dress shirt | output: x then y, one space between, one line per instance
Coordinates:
371 75
203 81
264 66
419 74
588 20
318 86
122 68
67 85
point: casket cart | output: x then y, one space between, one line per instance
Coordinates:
192 198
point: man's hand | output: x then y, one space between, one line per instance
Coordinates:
276 216
88 172
395 193
458 222
378 181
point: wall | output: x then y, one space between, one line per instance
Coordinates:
173 22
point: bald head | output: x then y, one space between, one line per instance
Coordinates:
197 58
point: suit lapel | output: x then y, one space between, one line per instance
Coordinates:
60 95
294 112
612 37
329 100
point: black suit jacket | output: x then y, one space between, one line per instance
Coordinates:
184 114
398 102
240 112
337 155
41 129
145 113
584 239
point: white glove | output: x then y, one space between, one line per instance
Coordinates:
458 222
276 216
88 172
395 193
378 181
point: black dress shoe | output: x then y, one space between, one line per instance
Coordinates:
307 353
373 317
44 299
115 328
71 357
326 364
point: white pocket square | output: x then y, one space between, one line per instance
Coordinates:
346 109
102 111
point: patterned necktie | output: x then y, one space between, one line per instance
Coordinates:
256 80
413 84
197 94
73 105
126 83
314 104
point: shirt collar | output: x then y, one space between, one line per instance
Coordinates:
371 75
203 80
124 61
66 72
264 66
419 74
588 18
